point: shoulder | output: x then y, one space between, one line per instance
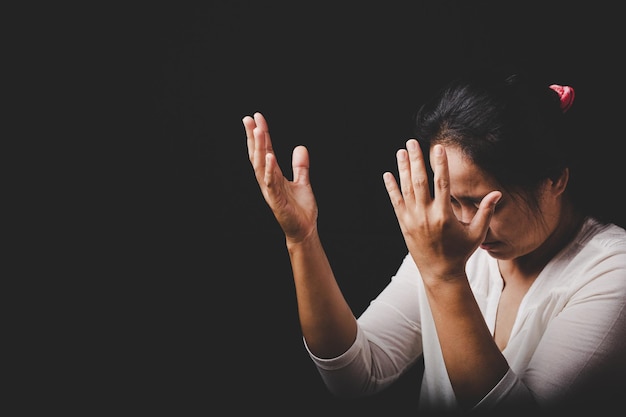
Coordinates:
597 257
601 238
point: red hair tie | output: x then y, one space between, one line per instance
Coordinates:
566 95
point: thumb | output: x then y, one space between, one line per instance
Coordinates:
300 165
480 222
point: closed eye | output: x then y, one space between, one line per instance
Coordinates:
470 201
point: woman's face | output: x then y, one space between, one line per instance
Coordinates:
516 228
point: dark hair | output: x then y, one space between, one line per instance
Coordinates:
508 123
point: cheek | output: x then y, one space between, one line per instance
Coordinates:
495 225
510 224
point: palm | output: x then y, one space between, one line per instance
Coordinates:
292 202
294 206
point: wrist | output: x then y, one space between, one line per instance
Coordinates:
305 241
444 278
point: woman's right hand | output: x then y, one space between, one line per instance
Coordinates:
292 202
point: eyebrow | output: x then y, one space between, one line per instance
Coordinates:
470 198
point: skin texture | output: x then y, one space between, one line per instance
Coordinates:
327 322
441 233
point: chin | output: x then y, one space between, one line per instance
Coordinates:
496 251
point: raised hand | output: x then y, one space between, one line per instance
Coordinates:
292 202
439 243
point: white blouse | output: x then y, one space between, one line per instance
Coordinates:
570 325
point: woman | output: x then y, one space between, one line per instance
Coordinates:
512 291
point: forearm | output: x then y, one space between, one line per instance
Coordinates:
473 360
328 324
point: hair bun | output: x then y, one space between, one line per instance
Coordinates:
566 95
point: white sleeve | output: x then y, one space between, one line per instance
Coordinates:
388 341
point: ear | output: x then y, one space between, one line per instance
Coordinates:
559 184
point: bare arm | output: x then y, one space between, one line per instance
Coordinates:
327 322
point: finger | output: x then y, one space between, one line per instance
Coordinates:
300 165
262 124
441 184
271 173
395 196
273 178
249 125
261 151
419 177
258 155
260 120
404 174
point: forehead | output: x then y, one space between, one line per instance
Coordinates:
466 178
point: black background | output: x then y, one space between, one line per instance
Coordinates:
183 269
